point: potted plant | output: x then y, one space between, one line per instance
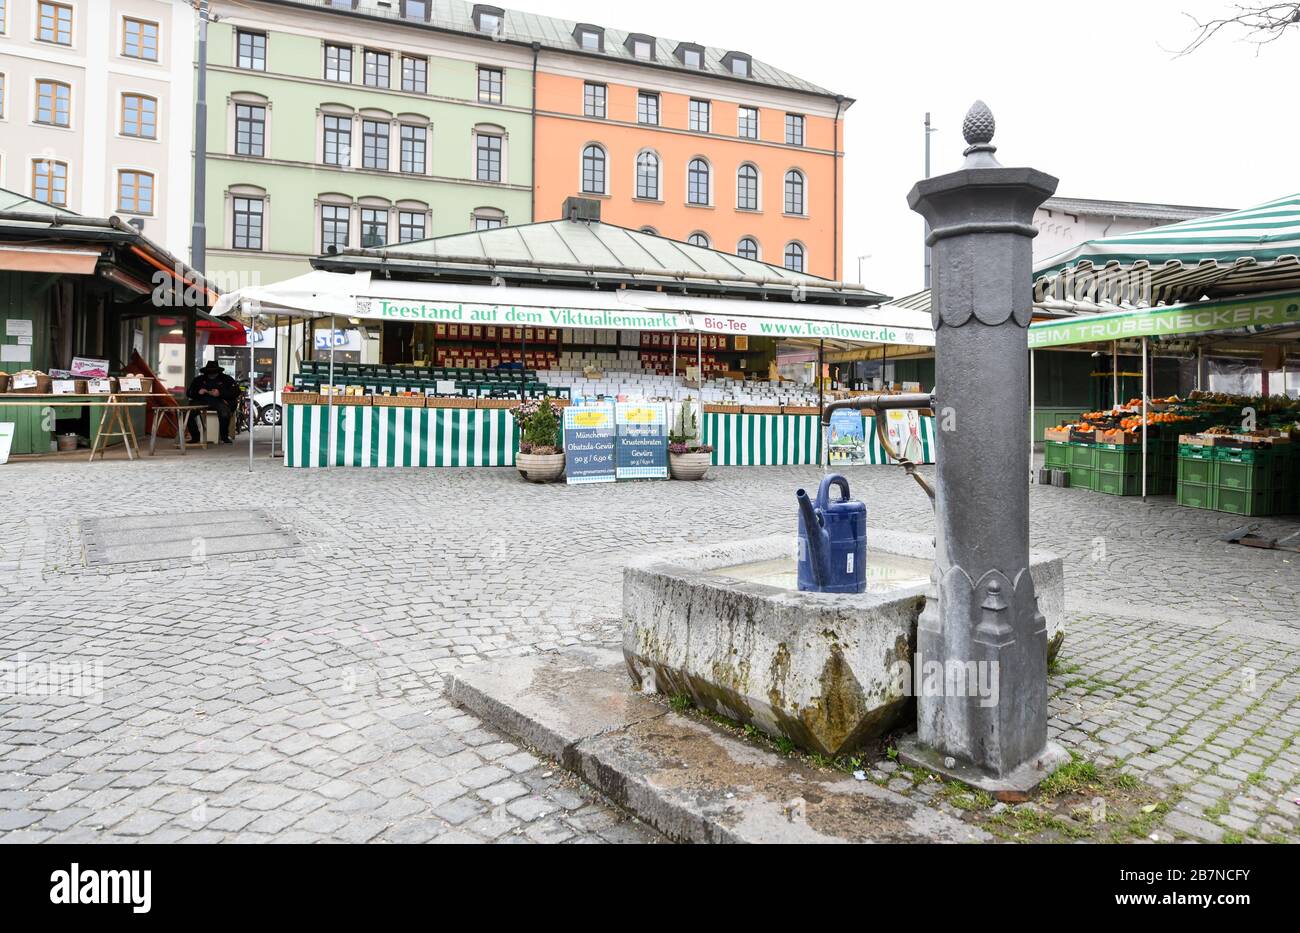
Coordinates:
687 457
540 459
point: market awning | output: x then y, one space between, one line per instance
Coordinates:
1253 314
1246 251
363 296
44 259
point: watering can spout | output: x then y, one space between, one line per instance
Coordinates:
819 557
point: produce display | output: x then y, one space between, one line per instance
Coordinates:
1230 453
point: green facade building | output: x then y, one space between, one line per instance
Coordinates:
328 130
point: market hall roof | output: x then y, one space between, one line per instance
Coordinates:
561 35
583 253
1132 210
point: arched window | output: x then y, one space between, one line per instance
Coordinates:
747 188
647 176
488 218
794 189
697 182
794 257
698 239
747 248
650 230
593 170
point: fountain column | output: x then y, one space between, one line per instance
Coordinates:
984 720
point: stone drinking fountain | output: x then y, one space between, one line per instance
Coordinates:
954 632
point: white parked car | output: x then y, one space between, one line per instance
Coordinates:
266 405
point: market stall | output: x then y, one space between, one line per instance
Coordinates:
471 325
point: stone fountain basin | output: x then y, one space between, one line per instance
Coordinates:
726 625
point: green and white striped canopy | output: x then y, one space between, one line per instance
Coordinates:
1240 252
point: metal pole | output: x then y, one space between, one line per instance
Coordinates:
330 403
675 366
821 445
928 130
1114 373
198 230
252 372
1144 418
1032 396
523 370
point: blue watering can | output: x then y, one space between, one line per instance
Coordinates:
832 540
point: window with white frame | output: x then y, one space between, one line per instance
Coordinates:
489 85
414 149
248 222
747 188
593 100
794 127
411 226
377 68
698 239
593 170
338 63
139 116
647 176
53 103
250 49
374 227
139 39
697 182
250 129
374 144
699 117
54 23
335 227
50 182
488 149
647 108
415 74
3 88
489 218
337 140
794 257
747 123
794 192
134 192
747 248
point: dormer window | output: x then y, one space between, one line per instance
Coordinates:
691 55
641 46
738 63
590 38
416 9
488 19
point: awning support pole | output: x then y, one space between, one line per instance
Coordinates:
1032 439
252 364
330 404
1114 373
523 369
676 381
821 406
1144 419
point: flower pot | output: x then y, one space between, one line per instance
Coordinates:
689 466
540 468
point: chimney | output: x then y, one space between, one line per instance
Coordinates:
587 209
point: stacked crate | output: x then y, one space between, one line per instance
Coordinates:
1243 481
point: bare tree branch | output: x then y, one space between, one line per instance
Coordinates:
1262 23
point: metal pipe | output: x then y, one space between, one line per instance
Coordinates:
879 403
1032 398
198 230
1114 373
252 373
329 410
1144 418
823 442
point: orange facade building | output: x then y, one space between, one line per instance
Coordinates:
693 143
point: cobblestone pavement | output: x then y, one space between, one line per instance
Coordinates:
298 696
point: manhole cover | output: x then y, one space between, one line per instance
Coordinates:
184 536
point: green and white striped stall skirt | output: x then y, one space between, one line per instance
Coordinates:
781 440
465 437
399 437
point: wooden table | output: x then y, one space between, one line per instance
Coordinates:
182 423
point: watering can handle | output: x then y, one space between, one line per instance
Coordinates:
823 491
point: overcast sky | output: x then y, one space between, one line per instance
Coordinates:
1090 92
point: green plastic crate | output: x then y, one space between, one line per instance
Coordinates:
1083 477
1244 501
1115 459
1243 455
1196 495
1056 455
1083 456
1201 471
1195 452
1233 474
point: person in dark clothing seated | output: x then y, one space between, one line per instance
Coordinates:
217 391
